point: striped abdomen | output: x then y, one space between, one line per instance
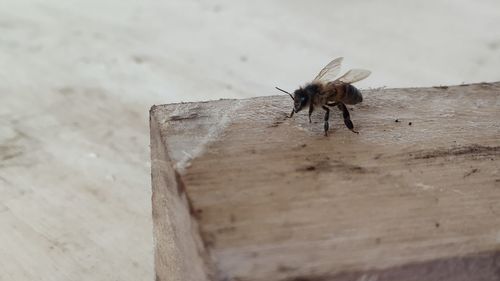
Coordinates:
348 94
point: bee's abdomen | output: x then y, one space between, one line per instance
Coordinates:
351 95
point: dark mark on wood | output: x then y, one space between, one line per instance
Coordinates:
475 150
441 87
473 171
275 124
181 188
177 117
198 213
284 268
310 168
181 192
327 166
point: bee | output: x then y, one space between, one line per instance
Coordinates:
325 91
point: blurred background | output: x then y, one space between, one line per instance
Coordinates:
77 79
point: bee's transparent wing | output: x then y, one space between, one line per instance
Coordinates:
330 71
354 75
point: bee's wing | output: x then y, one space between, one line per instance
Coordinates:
354 75
330 71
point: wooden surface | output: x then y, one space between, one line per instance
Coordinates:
179 252
274 199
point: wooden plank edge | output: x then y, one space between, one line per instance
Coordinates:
180 253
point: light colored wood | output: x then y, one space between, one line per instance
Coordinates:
274 199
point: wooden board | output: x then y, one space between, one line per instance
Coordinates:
258 196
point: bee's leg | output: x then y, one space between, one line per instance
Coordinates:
311 108
347 117
327 116
291 114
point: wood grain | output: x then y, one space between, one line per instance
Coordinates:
416 192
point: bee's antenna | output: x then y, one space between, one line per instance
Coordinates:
285 92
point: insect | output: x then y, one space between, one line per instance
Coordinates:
325 91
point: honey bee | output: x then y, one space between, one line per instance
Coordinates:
326 91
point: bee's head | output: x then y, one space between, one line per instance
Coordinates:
300 99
